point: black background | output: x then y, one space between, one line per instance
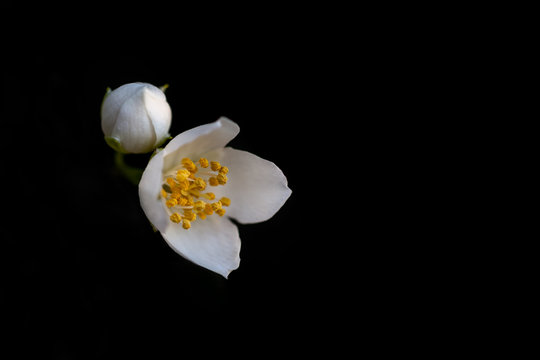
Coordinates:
357 109
85 277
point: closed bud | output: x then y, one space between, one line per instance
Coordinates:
135 118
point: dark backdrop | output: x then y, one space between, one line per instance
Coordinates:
84 274
353 106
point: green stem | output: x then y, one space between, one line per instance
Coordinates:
132 174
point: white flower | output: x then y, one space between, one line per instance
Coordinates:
191 187
135 118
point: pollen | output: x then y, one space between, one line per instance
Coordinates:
215 166
182 175
184 191
189 165
171 202
213 181
216 206
209 195
220 212
203 162
186 224
221 179
176 218
200 183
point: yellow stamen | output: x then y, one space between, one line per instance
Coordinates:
225 201
208 209
176 218
213 181
171 202
216 206
222 179
186 224
185 194
189 165
182 175
215 166
189 215
209 196
200 183
182 185
199 206
163 194
203 162
220 212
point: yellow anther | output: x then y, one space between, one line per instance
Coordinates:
225 201
208 209
200 183
184 193
182 185
189 215
215 166
189 165
199 206
213 181
195 193
203 162
209 195
176 218
182 175
222 179
220 212
186 224
164 194
171 202
216 206
180 191
189 201
182 201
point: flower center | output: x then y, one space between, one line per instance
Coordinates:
183 191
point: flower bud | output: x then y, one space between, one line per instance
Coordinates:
135 118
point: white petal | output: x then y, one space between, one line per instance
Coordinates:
213 243
149 192
112 104
133 126
199 140
158 111
257 187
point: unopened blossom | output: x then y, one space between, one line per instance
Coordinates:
135 118
191 189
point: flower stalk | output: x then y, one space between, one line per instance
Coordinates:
132 174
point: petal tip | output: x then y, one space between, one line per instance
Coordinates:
226 122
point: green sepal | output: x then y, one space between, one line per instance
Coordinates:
107 93
163 141
114 143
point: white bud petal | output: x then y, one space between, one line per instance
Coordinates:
136 118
